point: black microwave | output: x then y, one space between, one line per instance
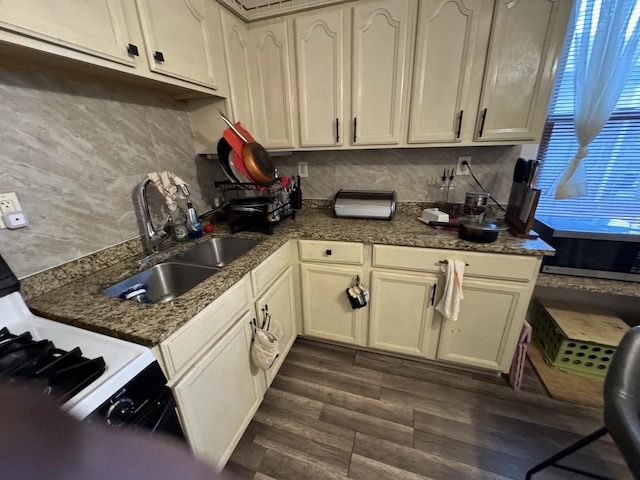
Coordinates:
599 248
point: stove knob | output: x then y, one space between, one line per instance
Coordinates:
120 411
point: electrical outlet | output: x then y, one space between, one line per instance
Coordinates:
8 203
461 168
303 169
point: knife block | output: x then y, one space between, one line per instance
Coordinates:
521 210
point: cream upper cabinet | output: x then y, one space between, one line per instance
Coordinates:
238 56
271 78
525 46
451 42
380 31
320 54
487 330
95 27
401 316
176 37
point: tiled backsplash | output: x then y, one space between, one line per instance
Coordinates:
75 152
415 174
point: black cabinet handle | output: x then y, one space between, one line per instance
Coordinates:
158 56
355 126
328 252
433 294
132 50
484 117
459 124
337 131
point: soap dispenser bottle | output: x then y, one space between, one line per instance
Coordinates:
194 227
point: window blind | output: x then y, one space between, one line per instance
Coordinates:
613 163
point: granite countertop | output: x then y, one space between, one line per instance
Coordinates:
79 300
588 284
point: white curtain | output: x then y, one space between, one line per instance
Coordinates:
603 64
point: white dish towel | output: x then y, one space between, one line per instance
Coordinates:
167 183
449 304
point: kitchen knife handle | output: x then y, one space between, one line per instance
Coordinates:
484 117
337 131
355 126
459 124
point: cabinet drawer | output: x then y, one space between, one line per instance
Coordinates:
331 252
265 273
204 329
479 264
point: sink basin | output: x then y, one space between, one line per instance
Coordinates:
166 281
216 252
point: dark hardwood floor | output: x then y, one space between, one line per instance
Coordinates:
334 412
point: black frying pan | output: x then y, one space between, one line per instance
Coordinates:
472 231
224 149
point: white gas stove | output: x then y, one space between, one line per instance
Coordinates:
122 360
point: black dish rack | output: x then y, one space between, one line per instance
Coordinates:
280 208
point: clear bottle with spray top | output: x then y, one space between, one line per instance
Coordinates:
441 200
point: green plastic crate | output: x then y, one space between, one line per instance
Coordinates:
575 356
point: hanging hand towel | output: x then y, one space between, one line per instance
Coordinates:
449 304
167 183
264 350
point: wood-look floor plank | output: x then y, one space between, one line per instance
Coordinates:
330 379
297 357
363 468
336 353
417 461
299 403
361 422
503 434
333 412
281 465
476 404
392 412
431 374
312 429
276 439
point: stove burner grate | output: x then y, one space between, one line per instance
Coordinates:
62 373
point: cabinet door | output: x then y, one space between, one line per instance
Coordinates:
486 332
451 46
326 312
272 78
218 397
279 299
380 41
177 40
96 27
319 64
526 41
238 51
401 318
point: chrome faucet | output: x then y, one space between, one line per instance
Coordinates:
153 237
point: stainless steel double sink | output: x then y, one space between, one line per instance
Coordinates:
180 273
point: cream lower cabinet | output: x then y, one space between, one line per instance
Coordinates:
326 312
279 301
217 388
327 270
488 327
219 395
401 316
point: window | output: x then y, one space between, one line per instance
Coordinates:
613 164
